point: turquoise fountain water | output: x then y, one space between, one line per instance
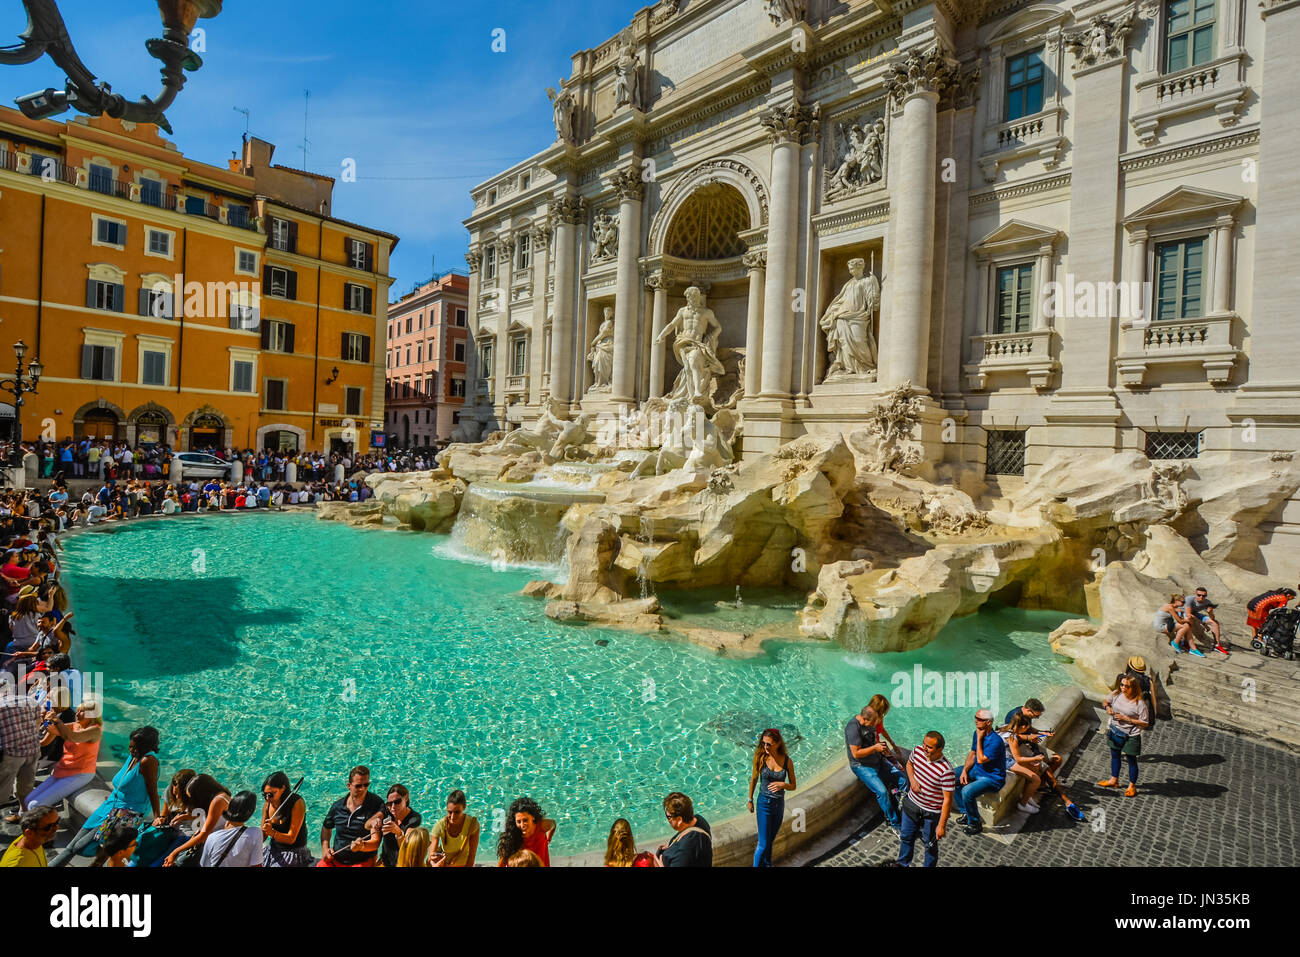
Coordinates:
275 641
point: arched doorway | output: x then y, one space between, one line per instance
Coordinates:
100 424
206 432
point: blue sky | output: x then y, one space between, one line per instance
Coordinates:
412 91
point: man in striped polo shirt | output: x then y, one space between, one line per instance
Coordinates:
929 800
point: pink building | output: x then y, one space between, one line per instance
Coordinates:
425 372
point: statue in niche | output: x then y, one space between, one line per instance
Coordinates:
627 88
697 330
563 105
604 232
601 355
782 10
847 323
863 159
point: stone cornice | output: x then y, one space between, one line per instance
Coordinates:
1269 7
1038 185
828 223
1183 151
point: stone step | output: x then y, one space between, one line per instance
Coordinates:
1255 720
1283 691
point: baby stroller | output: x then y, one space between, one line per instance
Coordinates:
1277 634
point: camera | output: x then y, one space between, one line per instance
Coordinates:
43 105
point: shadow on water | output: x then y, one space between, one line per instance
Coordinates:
147 638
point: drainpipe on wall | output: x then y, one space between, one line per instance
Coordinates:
315 361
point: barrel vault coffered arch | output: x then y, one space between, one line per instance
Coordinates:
726 170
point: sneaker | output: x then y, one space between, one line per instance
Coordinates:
1222 650
1197 652
1029 807
963 820
1074 812
1174 645
974 828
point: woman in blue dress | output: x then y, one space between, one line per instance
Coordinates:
135 793
774 771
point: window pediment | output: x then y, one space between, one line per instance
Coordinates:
1016 236
106 272
1185 203
1036 19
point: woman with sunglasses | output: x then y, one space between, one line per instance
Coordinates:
1129 714
398 818
455 837
284 816
775 772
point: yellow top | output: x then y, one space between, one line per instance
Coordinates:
456 848
19 856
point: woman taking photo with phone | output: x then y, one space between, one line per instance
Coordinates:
455 836
284 815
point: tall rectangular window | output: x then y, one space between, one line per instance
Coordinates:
518 357
458 388
1189 34
98 363
243 376
276 394
352 400
490 263
1024 84
1015 298
279 282
458 351
101 178
525 249
1180 266
276 335
154 368
460 317
282 235
151 192
108 296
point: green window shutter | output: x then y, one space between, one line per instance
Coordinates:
87 361
144 302
119 297
90 294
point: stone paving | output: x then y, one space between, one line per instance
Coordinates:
1205 798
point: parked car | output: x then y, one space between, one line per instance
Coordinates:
202 465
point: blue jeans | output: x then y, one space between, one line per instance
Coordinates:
1132 765
965 797
880 789
769 811
926 827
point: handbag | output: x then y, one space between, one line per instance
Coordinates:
1116 738
118 817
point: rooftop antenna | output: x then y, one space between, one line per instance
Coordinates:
240 109
306 105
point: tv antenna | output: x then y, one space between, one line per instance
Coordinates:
240 109
306 106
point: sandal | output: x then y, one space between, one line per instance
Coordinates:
1131 791
1108 783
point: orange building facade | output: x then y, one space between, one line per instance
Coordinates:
176 302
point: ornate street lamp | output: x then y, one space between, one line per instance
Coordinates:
21 385
46 33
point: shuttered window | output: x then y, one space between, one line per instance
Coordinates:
154 368
277 336
352 401
355 347
280 282
276 394
358 298
105 295
243 377
98 363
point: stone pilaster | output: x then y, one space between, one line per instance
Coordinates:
631 190
659 285
914 88
786 127
505 273
756 264
566 214
540 239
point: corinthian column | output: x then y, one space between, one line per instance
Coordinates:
566 213
540 239
630 189
658 284
786 126
505 275
914 88
756 263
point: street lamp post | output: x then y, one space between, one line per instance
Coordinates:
21 384
47 34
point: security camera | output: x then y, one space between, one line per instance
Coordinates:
43 105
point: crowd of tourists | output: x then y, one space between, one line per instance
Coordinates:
103 459
1184 620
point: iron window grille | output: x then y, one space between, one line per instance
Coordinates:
1005 453
1173 445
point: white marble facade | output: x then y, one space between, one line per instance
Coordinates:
972 153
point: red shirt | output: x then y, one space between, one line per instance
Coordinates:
539 844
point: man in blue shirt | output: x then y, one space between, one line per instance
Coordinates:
985 770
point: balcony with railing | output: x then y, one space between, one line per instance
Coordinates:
1217 87
1037 136
1020 354
1211 342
